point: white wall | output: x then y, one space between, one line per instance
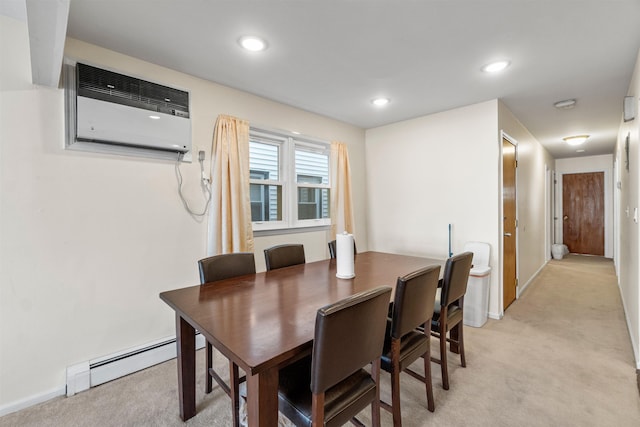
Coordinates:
533 211
87 241
629 196
426 173
587 164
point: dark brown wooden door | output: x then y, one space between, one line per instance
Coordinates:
583 212
509 274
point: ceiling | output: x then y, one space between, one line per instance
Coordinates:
333 57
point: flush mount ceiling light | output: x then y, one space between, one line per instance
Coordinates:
495 67
575 140
252 43
380 102
567 104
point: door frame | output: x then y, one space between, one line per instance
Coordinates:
587 165
548 211
510 139
589 190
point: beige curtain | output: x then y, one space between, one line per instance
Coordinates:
230 215
341 200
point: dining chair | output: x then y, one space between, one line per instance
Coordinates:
332 249
412 307
283 256
213 269
449 311
331 386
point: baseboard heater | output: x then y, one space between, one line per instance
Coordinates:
92 373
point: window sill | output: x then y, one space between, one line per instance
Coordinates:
281 231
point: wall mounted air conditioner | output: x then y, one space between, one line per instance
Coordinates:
112 112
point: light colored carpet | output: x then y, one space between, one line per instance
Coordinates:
560 357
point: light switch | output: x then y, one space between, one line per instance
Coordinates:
635 215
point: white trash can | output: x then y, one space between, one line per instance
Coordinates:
476 300
558 251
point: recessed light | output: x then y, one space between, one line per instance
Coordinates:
580 150
253 43
380 102
154 117
495 67
567 104
576 139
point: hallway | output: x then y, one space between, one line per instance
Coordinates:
562 354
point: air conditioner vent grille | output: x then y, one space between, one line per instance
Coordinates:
114 87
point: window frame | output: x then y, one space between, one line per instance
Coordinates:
288 143
312 147
265 137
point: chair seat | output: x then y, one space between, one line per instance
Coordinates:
454 315
294 395
412 346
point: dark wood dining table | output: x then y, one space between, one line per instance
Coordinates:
265 321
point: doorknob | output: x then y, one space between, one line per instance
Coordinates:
565 217
507 234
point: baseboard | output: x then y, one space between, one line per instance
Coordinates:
495 316
84 375
634 343
135 359
32 400
520 291
531 279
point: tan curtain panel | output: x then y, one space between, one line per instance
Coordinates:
230 215
341 200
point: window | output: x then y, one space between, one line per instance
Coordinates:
289 180
265 184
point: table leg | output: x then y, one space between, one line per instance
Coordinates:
186 347
262 398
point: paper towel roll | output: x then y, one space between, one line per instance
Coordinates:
344 256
